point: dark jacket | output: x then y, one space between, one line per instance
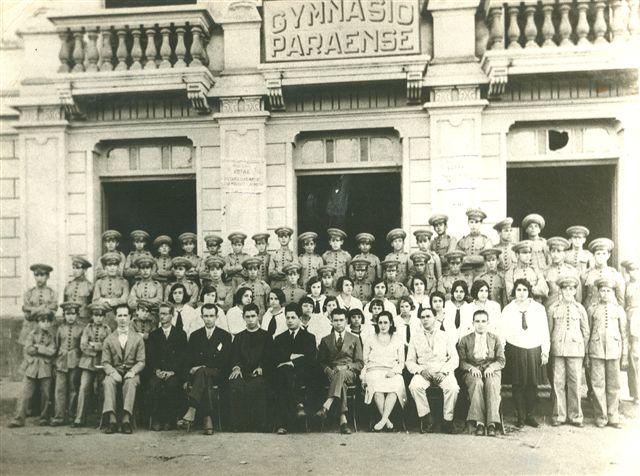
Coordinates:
213 353
304 343
350 355
168 354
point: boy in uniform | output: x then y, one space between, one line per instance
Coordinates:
214 271
442 243
577 256
419 267
146 287
143 320
180 267
395 288
281 257
396 239
39 351
607 345
507 258
140 239
164 273
434 264
362 287
374 270
336 256
524 269
327 275
91 355
188 241
233 261
261 240
492 276
454 260
473 243
213 243
79 289
601 249
532 225
632 301
471 266
293 292
558 268
111 289
67 372
309 261
40 297
259 287
111 240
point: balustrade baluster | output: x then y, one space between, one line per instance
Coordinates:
548 30
496 29
121 51
565 25
165 49
78 52
582 27
92 51
65 52
136 50
530 29
181 49
151 52
196 46
513 32
106 52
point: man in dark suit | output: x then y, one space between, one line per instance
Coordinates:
209 354
166 356
123 358
340 358
294 355
481 360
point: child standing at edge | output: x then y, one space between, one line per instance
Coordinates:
632 300
40 297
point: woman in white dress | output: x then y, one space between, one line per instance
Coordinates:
453 308
418 288
345 297
480 295
273 320
184 316
234 322
381 375
208 295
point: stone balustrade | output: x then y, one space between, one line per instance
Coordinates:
134 39
561 23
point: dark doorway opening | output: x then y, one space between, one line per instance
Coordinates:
159 207
564 196
355 203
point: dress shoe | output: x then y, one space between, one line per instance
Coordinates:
322 413
56 422
577 424
77 424
43 422
300 413
16 423
557 423
426 424
531 421
450 428
491 430
600 424
615 425
111 428
479 430
281 431
207 426
126 428
185 425
156 426
344 429
520 422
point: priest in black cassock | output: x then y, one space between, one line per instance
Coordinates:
250 354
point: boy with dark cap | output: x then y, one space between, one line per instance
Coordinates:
259 287
110 240
395 288
362 287
525 270
140 239
632 308
233 261
180 267
473 243
164 272
146 287
213 275
309 261
327 274
336 256
374 270
454 273
40 297
281 257
558 268
442 243
577 256
79 289
111 289
507 258
491 275
434 264
188 242
601 249
396 238
212 243
293 292
261 241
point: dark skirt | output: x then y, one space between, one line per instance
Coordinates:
523 365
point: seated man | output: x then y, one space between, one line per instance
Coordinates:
209 352
294 355
123 359
432 358
481 360
340 358
250 353
166 356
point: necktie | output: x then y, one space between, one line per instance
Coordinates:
339 342
408 332
524 320
293 335
271 329
179 324
442 325
457 321
316 307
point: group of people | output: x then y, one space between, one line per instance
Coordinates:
306 332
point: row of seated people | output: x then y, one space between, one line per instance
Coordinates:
417 351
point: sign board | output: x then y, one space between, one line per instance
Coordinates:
304 30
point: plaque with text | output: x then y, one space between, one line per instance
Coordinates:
303 30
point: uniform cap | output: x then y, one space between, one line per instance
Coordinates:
137 234
251 261
144 304
472 261
396 233
336 232
419 256
70 305
260 236
162 240
423 232
143 261
326 269
563 281
308 235
524 245
45 268
291 267
630 264
111 234
455 254
476 213
110 257
605 282
578 229
438 218
98 306
284 230
490 252
360 237
85 263
389 263
359 262
215 239
181 261
236 235
601 244
533 218
558 242
187 236
212 261
42 314
502 223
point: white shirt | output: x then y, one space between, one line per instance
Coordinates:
167 331
209 332
233 322
480 348
189 319
123 337
198 323
537 331
339 335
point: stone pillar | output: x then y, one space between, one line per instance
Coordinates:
241 25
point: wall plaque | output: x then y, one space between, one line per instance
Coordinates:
303 30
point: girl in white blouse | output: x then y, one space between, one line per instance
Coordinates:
184 316
345 298
453 308
417 288
234 322
273 320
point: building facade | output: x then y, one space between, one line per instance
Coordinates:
247 115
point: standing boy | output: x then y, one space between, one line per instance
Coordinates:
309 261
473 243
261 241
601 249
577 256
140 239
336 256
259 288
233 261
374 270
39 298
396 239
558 268
532 225
492 276
507 258
293 292
79 289
524 269
442 243
111 240
281 257
163 245
362 287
